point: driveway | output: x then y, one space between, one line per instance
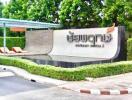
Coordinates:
13 87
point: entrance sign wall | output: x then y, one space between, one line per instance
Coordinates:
93 42
98 43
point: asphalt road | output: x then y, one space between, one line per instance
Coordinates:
16 88
13 84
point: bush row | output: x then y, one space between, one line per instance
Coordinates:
71 74
129 49
13 41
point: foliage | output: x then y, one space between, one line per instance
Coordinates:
44 10
80 13
37 10
129 49
71 74
118 12
16 9
11 34
73 13
53 10
1 8
13 42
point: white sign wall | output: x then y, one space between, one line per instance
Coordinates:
92 42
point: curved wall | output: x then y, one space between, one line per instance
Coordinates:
39 41
92 42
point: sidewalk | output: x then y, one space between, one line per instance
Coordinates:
111 85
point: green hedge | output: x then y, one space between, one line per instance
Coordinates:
72 74
13 41
129 49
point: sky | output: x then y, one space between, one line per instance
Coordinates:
5 1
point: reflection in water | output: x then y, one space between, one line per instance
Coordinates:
65 61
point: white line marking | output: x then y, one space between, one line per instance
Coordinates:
95 91
129 90
114 92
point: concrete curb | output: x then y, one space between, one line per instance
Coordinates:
6 74
107 92
34 78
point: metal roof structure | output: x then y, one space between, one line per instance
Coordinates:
23 24
26 24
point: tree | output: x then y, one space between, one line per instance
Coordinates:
16 9
128 14
53 10
118 12
80 13
1 8
38 10
44 10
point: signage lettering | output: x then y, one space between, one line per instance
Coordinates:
88 38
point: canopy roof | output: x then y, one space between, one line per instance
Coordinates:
26 24
23 24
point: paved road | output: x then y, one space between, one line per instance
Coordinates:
11 85
55 93
15 88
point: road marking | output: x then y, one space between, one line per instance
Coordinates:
6 74
114 92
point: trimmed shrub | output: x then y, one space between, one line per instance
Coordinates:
129 49
44 70
13 41
71 74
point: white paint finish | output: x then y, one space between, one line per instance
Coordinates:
95 91
114 92
62 47
129 90
130 86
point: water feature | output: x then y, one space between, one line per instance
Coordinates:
65 61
